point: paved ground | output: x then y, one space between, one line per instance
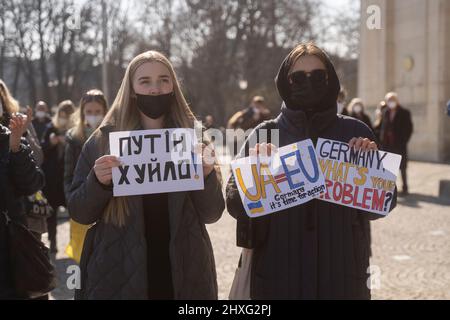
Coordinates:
411 247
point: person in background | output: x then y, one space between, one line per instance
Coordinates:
32 137
53 144
92 109
396 131
8 107
41 119
250 117
19 177
448 108
341 100
356 109
379 112
209 122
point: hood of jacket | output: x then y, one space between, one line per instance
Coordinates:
297 122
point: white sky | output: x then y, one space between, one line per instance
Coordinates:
333 7
330 7
341 3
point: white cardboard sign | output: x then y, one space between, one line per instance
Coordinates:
287 179
361 180
155 161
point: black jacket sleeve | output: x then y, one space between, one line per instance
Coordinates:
70 162
250 232
233 200
209 202
24 173
87 197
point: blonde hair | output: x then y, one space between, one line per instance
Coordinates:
68 108
124 116
258 99
355 102
10 104
78 118
391 95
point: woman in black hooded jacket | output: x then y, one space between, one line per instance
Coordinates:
318 250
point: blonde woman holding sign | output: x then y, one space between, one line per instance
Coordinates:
152 246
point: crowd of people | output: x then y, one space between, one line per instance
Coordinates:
392 127
42 168
156 246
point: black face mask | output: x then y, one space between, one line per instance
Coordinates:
308 91
155 106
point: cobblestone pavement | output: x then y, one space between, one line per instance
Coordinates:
411 247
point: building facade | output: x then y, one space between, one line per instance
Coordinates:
410 54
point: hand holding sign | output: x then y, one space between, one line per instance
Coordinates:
272 179
263 149
363 144
208 157
103 168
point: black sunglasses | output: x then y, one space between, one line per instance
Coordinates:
315 76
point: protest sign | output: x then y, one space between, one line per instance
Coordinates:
290 177
357 179
155 161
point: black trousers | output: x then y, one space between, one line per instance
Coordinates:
51 226
403 166
404 179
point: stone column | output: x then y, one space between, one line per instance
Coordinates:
411 55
